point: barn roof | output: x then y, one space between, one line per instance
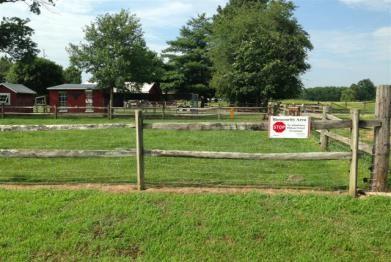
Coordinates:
143 88
74 87
18 88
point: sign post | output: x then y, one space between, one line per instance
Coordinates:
289 127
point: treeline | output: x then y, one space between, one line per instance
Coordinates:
20 62
364 90
37 73
250 51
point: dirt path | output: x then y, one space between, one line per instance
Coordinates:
178 190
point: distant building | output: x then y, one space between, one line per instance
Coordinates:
16 95
148 91
88 97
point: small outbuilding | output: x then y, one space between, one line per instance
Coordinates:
150 92
16 96
78 98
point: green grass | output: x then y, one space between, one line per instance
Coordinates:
173 171
93 226
367 107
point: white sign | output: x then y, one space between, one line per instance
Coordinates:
289 127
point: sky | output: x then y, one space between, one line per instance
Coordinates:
351 38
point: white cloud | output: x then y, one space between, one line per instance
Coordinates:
371 4
344 57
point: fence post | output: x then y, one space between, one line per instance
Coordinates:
324 139
55 112
354 146
139 149
218 112
2 110
164 110
382 139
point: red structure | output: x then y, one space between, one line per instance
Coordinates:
15 96
78 98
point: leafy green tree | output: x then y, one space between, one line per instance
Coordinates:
38 74
72 75
189 65
15 38
5 65
15 35
348 95
327 93
34 5
258 51
114 52
364 90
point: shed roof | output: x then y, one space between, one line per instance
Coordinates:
18 88
74 87
143 88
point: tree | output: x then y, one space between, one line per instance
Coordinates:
114 52
5 65
258 51
348 95
15 38
15 35
72 75
34 5
327 93
364 90
38 74
189 66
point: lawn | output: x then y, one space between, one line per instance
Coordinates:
54 225
174 171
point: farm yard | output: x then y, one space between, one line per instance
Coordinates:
328 174
239 130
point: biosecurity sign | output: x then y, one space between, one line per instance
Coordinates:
289 127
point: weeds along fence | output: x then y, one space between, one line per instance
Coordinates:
159 111
140 152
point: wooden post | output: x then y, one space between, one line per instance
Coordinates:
164 110
110 109
382 139
2 111
55 112
354 146
219 112
324 139
139 149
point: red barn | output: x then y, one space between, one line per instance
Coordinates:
85 96
13 96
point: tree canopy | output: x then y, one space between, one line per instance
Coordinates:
189 65
72 75
37 74
364 90
15 38
327 93
114 52
34 5
258 51
5 65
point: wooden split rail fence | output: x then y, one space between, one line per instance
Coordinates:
140 152
381 149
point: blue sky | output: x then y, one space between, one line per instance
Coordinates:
352 38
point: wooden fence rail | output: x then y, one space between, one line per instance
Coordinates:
260 126
35 153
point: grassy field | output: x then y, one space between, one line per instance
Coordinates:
367 107
92 226
172 171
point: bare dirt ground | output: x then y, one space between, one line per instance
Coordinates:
112 188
